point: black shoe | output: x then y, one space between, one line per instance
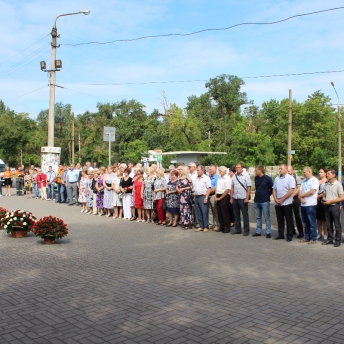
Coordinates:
246 234
77 204
289 239
337 244
236 233
268 236
223 232
256 235
219 230
70 204
279 237
327 243
300 236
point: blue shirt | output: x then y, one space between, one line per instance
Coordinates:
213 179
72 176
263 189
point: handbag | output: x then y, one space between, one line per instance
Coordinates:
164 205
242 186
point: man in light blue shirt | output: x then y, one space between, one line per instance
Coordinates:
283 189
71 184
213 218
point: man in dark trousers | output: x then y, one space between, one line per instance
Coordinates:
283 189
333 195
263 185
296 205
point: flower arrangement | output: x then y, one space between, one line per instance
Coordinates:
19 220
50 226
3 213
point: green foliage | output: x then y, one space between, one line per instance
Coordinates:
253 135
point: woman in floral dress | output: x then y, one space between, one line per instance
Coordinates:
100 191
89 192
172 197
184 189
147 194
83 190
108 190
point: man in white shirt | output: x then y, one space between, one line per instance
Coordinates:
51 176
283 190
222 190
308 199
201 187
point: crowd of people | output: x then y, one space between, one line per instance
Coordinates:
190 197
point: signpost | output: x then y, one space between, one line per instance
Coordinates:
109 135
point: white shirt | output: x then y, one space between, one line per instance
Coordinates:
307 185
282 186
193 177
201 185
223 183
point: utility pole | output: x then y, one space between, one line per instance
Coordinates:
73 142
290 120
79 148
339 138
208 132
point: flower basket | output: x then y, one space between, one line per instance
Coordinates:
50 228
18 221
3 213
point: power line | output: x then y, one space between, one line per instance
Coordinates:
25 94
24 49
22 63
66 88
204 30
201 80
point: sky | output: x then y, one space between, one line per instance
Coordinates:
304 44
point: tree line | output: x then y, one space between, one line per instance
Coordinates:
248 133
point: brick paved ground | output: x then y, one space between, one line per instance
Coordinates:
114 281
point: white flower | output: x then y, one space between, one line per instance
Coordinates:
24 223
21 219
24 215
14 218
5 226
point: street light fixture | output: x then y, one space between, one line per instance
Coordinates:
339 138
54 66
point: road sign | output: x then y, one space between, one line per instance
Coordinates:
109 134
292 152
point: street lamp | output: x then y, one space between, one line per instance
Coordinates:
54 66
339 139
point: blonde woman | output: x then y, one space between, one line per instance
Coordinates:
117 201
83 191
147 194
159 195
184 188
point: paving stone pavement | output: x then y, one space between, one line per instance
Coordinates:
115 281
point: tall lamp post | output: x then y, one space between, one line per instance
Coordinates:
339 138
55 65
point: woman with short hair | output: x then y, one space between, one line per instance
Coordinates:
126 187
172 199
138 201
184 188
147 194
100 191
117 201
108 190
159 195
83 190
